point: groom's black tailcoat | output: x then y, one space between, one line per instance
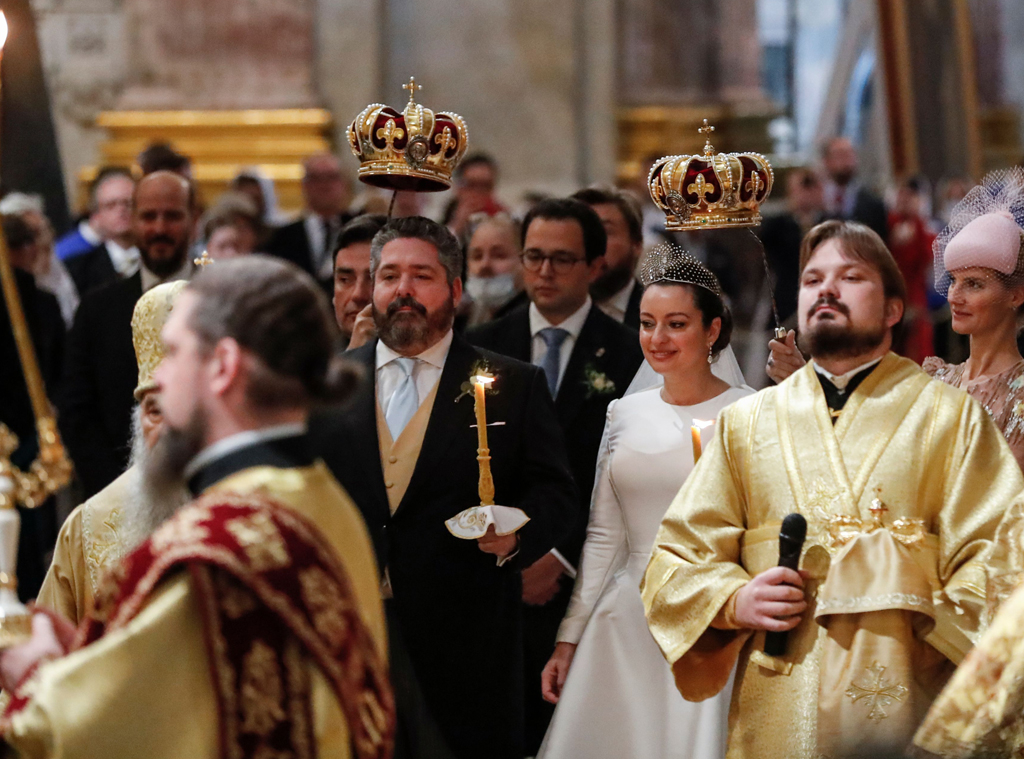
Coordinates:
458 613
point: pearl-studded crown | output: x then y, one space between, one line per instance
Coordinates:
414 150
711 191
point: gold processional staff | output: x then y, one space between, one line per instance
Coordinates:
48 473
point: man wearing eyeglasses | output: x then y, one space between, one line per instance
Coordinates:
589 360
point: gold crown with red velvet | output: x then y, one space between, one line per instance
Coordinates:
710 191
415 150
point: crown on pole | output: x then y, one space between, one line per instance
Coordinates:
413 150
710 191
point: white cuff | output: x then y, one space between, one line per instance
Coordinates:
503 560
569 568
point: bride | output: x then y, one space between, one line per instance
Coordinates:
616 695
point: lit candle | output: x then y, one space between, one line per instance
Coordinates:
698 425
483 453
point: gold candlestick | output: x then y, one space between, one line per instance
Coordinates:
483 453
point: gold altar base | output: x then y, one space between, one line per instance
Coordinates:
219 144
647 131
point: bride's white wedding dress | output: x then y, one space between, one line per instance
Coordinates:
620 700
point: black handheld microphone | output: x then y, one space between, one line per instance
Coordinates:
791 543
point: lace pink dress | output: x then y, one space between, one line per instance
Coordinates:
1002 395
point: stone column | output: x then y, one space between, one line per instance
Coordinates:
532 78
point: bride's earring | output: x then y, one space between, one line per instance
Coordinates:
710 354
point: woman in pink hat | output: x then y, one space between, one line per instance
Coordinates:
979 266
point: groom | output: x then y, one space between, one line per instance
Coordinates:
456 601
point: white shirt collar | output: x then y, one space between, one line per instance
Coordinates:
125 260
842 380
616 305
435 355
573 325
240 440
151 280
89 234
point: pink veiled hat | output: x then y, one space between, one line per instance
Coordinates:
991 240
984 229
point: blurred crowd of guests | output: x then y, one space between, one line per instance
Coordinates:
79 290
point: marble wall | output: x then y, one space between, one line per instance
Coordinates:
535 79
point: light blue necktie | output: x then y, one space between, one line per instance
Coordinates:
404 401
553 338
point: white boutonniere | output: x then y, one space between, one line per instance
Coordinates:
597 383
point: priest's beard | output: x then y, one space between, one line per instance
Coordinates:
829 339
160 488
402 331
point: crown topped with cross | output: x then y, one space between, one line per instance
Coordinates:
415 150
711 190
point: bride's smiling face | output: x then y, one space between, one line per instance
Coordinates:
672 332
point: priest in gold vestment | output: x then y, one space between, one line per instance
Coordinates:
249 623
902 480
99 532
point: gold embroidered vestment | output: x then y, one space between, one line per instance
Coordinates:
902 497
147 686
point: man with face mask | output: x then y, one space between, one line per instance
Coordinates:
98 534
100 370
902 481
253 612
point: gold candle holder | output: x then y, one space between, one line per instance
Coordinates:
483 454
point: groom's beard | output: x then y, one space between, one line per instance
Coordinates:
159 486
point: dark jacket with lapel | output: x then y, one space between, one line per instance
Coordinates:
100 378
632 318
604 347
458 612
291 243
91 269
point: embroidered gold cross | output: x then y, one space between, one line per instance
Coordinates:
878 693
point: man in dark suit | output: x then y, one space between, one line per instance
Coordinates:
116 257
845 197
46 330
101 370
589 360
782 233
406 451
617 291
309 242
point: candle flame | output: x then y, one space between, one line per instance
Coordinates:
3 29
482 379
701 424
